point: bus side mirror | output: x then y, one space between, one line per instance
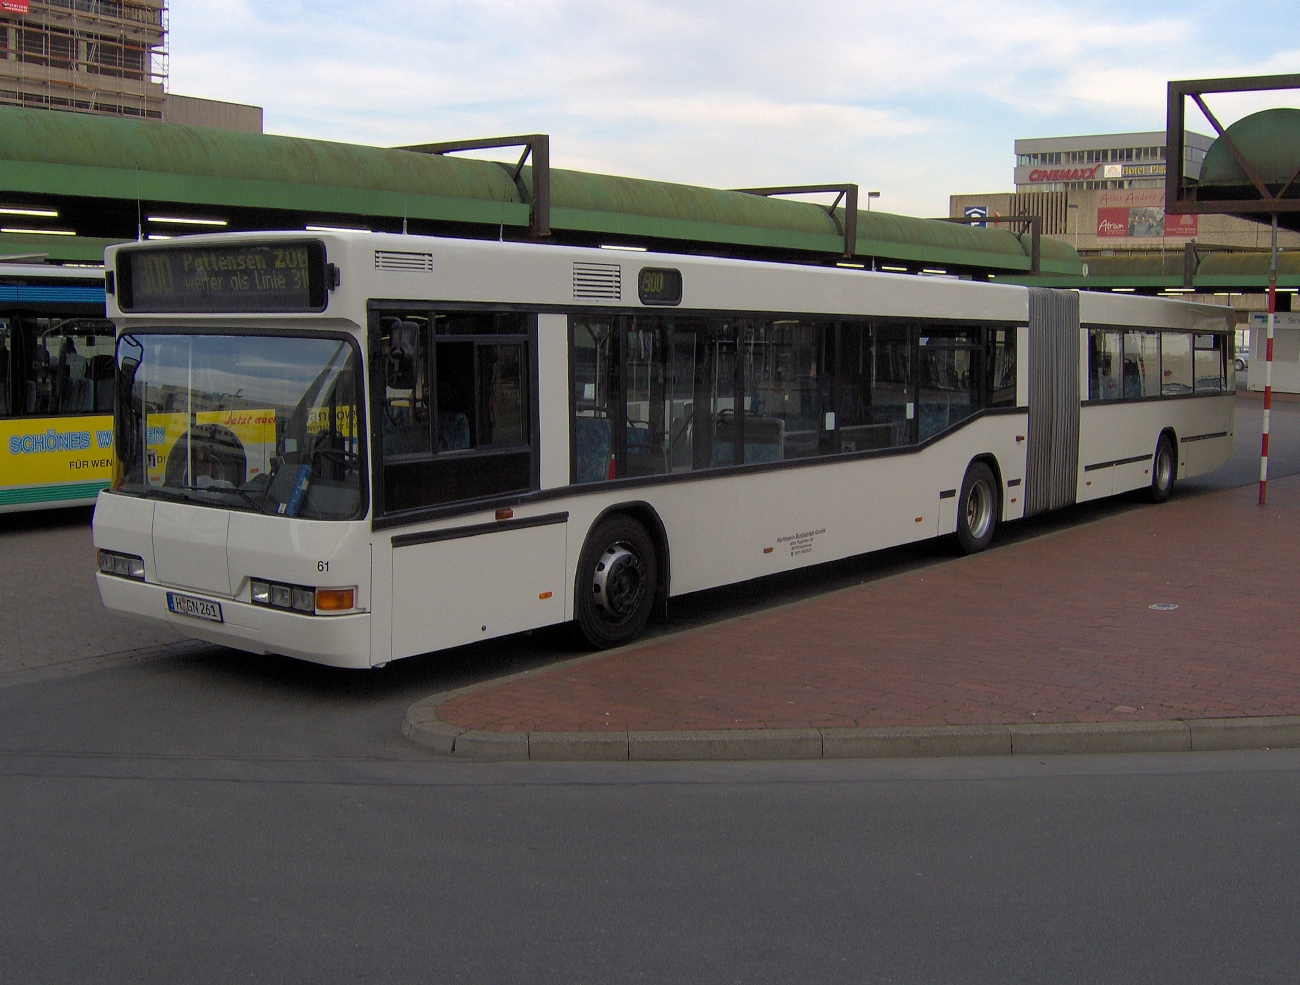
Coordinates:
403 340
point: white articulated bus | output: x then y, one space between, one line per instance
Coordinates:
356 447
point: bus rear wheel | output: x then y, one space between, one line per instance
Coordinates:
977 509
1164 470
618 575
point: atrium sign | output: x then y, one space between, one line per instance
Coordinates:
1140 213
1064 174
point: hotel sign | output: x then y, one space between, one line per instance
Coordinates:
1095 172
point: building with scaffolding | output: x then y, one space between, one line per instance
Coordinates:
89 56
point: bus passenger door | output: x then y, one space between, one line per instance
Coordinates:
475 582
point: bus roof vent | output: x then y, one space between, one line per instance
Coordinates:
598 280
399 260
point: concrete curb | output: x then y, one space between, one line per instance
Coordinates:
423 726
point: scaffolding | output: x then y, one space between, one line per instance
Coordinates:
86 56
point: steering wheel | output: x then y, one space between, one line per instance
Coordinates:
349 460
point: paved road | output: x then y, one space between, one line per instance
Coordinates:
166 855
211 816
195 819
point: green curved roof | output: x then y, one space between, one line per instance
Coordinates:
1269 140
70 154
1153 271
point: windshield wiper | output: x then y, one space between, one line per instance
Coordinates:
263 507
244 494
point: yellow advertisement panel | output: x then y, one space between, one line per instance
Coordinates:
250 432
54 459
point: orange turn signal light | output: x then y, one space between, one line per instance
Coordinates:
335 599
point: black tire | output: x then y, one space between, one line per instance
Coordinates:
618 575
977 509
1164 470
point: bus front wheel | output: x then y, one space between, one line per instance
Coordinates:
977 509
616 583
1164 470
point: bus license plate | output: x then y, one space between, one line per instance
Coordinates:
186 605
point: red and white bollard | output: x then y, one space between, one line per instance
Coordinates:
1268 370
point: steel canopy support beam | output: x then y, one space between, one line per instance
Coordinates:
847 193
1246 166
536 145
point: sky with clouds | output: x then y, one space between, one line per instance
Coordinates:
918 99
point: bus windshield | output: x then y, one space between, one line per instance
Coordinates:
255 423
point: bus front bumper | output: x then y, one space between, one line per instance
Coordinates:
338 641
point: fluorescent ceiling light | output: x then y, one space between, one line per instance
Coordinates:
851 266
629 249
897 270
38 232
1123 290
37 213
337 229
932 270
157 236
177 220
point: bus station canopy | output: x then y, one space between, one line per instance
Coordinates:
1211 272
105 177
1269 143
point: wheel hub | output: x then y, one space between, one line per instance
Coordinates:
619 584
1164 467
979 510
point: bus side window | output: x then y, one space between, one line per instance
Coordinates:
1103 364
454 401
500 408
1001 367
594 352
6 369
1175 363
1141 364
1208 356
788 373
949 386
404 401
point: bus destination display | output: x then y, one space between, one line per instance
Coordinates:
270 277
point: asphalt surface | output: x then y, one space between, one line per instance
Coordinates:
141 845
191 813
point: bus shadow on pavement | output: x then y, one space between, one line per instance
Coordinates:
476 663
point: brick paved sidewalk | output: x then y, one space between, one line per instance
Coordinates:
1057 629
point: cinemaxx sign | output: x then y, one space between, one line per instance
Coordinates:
1064 174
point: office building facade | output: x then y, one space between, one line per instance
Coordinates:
1101 162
